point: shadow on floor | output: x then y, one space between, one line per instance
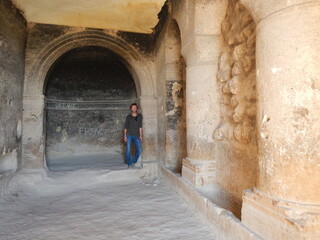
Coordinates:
112 161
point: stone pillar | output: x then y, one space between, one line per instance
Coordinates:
286 201
201 50
32 132
175 104
149 110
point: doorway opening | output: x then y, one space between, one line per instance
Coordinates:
88 92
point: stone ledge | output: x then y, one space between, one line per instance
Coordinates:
287 220
199 173
221 222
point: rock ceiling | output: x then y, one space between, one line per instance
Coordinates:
125 15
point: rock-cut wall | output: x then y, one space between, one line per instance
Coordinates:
12 50
88 94
237 167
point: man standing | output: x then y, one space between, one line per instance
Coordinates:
133 133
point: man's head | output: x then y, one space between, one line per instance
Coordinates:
134 107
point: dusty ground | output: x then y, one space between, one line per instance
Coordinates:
112 161
93 205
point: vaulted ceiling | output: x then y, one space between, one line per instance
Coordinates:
125 15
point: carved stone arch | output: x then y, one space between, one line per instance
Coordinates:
175 98
173 42
177 19
35 78
33 139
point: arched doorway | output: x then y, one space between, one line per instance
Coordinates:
46 55
175 85
88 91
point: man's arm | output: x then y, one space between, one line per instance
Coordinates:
125 130
140 132
140 128
125 135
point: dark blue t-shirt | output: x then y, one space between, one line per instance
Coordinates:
133 124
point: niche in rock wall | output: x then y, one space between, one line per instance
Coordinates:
88 93
236 137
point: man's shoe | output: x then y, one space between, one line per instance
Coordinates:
133 166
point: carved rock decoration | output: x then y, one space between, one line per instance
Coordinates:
236 76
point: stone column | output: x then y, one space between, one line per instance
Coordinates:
32 132
201 49
149 110
175 87
286 201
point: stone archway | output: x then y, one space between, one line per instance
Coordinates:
175 98
33 146
87 94
37 71
236 135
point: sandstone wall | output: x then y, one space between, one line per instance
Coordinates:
170 70
12 52
88 94
237 146
175 98
46 44
126 15
160 71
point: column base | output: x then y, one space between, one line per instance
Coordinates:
199 172
276 219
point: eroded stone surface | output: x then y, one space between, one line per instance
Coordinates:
88 94
287 188
236 135
197 81
12 49
237 75
126 15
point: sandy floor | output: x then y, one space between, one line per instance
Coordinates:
95 205
114 161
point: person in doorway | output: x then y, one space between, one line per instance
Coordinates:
133 133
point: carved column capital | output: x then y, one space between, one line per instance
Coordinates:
212 12
260 9
201 42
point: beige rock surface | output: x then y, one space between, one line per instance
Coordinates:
125 15
236 135
287 191
229 90
201 48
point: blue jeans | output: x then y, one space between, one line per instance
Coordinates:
137 143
